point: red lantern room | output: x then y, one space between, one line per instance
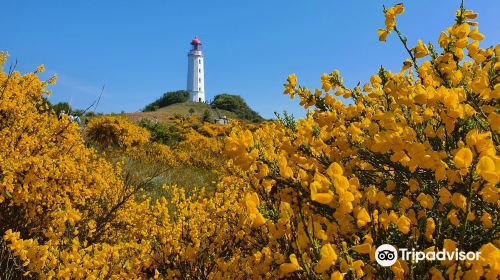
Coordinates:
196 44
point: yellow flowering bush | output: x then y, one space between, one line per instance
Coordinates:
53 190
70 212
411 160
115 131
66 211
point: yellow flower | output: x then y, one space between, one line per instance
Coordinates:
420 50
375 80
452 216
364 248
490 194
328 258
490 256
337 275
252 202
403 224
52 80
382 34
324 198
285 171
292 80
443 40
459 201
469 14
430 226
292 266
486 220
263 171
425 200
413 184
334 169
449 245
363 218
436 274
390 20
398 270
463 158
3 58
358 268
487 169
399 8
405 203
444 195
257 219
40 68
461 31
406 64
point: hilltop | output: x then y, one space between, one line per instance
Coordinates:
176 103
181 109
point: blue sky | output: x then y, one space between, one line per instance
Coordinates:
138 49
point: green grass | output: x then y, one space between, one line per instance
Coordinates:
152 176
188 178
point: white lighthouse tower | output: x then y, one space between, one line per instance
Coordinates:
196 79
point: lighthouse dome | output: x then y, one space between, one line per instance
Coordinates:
196 41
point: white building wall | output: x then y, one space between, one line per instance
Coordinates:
196 79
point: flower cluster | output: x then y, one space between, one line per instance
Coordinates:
390 20
115 131
412 160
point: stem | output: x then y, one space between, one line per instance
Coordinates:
404 41
466 220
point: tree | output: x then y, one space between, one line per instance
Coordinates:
236 104
168 98
61 106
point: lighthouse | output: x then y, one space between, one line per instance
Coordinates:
196 79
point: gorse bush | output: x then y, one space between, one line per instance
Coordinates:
69 212
115 131
53 190
412 161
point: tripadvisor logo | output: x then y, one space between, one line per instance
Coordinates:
387 255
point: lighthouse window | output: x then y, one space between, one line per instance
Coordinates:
199 70
199 61
199 80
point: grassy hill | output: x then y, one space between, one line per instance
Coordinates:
176 103
181 109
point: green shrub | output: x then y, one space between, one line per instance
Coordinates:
207 116
236 104
168 98
162 133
